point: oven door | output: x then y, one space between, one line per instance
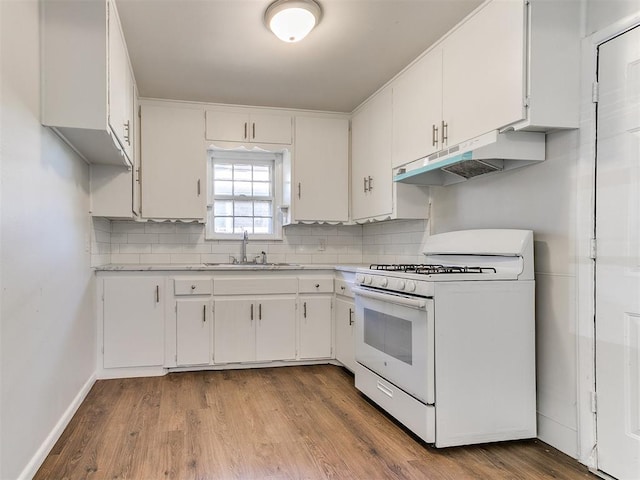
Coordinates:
395 339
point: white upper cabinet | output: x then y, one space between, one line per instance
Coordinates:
87 84
173 163
417 109
483 73
512 65
248 126
321 169
374 196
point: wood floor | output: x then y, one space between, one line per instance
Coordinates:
276 423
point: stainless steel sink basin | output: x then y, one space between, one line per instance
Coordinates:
251 264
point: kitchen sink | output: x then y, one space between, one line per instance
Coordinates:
251 264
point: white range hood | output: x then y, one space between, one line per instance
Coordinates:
491 152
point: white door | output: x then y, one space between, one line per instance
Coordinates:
315 326
276 330
133 322
193 332
345 340
234 330
618 257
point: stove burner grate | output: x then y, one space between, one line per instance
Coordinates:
423 269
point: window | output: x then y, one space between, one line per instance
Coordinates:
244 194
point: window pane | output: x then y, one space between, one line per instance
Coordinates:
262 209
242 172
223 208
262 173
243 209
261 189
242 188
241 224
223 225
262 225
223 187
222 171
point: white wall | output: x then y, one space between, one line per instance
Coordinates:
541 198
47 332
602 13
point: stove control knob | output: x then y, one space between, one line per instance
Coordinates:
384 282
411 286
359 278
400 284
368 279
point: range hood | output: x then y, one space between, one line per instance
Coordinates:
491 152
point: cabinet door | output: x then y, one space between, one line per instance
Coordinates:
484 72
234 330
276 330
321 166
227 126
345 321
173 163
371 158
269 128
120 81
133 322
315 326
193 332
417 110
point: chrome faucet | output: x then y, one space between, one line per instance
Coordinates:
243 253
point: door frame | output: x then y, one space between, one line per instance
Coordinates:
585 231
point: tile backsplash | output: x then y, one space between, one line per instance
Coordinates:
128 242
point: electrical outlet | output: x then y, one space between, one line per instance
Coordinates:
322 244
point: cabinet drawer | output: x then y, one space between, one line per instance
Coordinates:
415 415
316 285
256 286
192 286
344 288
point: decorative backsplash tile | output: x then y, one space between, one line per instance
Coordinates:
147 243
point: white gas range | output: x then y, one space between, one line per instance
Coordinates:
448 347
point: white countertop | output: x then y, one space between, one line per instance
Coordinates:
221 267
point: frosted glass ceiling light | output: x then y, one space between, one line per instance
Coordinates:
292 20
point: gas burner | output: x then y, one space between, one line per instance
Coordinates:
423 269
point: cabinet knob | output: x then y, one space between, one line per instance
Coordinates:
317 285
193 287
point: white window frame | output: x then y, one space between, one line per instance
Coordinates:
244 155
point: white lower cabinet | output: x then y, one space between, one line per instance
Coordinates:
345 340
193 332
133 321
315 326
254 329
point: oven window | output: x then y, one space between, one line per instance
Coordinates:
388 334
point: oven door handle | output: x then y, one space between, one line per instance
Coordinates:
420 304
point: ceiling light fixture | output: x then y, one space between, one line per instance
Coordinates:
292 20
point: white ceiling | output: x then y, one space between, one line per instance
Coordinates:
220 50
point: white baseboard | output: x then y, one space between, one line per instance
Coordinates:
41 454
558 436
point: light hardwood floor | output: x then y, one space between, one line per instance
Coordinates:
276 423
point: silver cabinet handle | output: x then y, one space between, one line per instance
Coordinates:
127 132
370 183
157 293
253 130
304 310
366 188
198 187
204 313
351 316
445 132
259 311
434 135
299 189
252 312
245 131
